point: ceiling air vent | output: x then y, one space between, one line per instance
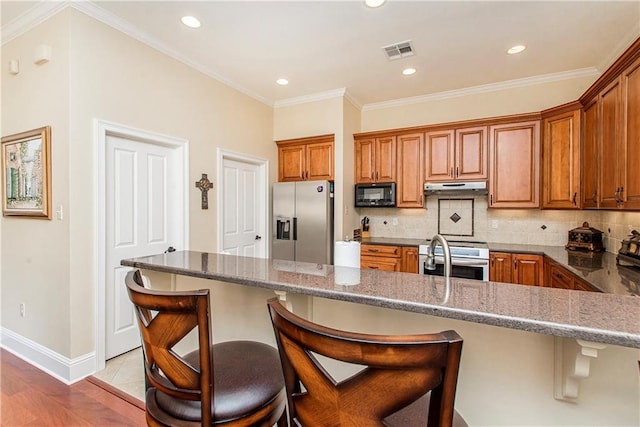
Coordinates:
398 50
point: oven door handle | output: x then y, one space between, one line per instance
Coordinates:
469 263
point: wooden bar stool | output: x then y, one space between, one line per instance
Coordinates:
407 380
235 383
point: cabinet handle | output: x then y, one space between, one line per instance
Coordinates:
421 202
373 267
377 177
515 264
457 171
621 193
451 173
574 198
493 261
491 200
372 250
371 176
595 193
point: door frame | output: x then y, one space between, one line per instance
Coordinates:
103 129
263 182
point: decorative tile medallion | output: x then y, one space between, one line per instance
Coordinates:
455 217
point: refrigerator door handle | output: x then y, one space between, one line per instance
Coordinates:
295 228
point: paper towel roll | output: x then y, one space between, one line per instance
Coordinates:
346 260
347 254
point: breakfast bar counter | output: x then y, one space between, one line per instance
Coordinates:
598 317
531 355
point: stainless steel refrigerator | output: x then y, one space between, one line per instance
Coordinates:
302 221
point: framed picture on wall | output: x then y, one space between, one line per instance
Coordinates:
26 174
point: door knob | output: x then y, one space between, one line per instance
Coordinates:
258 237
170 249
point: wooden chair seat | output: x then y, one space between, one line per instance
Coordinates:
406 380
234 383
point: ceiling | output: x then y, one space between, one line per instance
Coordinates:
325 46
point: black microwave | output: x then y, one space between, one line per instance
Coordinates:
378 194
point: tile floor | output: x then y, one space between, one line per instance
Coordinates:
126 373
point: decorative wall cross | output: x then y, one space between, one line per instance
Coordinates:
204 185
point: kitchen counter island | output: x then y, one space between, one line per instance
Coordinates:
521 343
604 318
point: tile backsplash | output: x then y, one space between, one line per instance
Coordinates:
521 226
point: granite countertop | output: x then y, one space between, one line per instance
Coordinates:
600 317
598 269
393 241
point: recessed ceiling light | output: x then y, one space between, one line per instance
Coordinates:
282 82
190 21
408 71
374 3
516 49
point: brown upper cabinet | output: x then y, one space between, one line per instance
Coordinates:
561 158
590 158
514 165
375 160
306 159
459 154
611 136
409 193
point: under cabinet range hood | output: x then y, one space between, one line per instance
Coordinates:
455 188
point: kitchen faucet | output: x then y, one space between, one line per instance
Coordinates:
446 252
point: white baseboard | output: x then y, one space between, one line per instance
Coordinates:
64 369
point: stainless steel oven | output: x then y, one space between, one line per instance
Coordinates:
469 260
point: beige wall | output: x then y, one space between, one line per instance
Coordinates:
318 118
35 262
98 72
527 99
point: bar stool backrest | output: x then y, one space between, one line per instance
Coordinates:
399 370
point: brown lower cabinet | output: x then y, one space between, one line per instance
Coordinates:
389 258
559 277
521 269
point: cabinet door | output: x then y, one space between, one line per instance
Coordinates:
500 267
631 136
291 163
471 154
528 269
385 159
410 192
440 151
319 161
590 155
609 144
365 160
514 165
410 259
561 161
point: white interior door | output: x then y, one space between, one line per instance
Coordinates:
244 213
142 218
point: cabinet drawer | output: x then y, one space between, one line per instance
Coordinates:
380 250
380 263
561 279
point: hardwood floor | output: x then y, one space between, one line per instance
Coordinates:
31 397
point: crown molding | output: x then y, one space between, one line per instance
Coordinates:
30 19
492 87
320 96
622 46
91 9
46 9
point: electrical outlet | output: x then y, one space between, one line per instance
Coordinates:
394 221
494 223
23 310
